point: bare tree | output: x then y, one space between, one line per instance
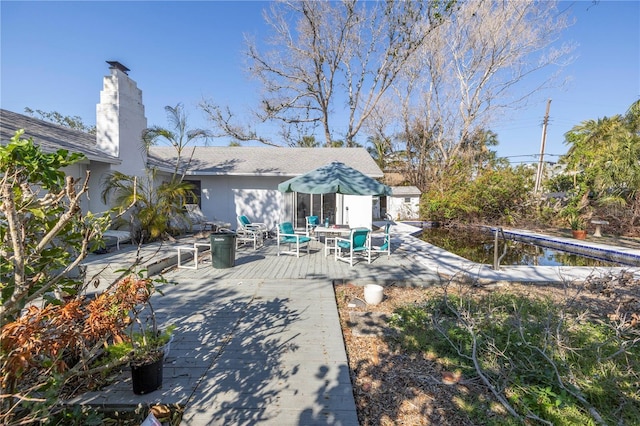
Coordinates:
471 71
330 59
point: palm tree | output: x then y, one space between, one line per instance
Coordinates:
380 150
605 154
152 206
180 137
308 142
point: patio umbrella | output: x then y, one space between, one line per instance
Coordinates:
336 178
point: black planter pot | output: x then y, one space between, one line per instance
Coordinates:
147 378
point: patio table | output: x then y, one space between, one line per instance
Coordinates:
330 233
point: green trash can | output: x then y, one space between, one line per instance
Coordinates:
223 249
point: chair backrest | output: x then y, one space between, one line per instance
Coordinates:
313 220
243 220
359 237
286 228
387 239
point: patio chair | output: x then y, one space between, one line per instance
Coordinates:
248 236
358 243
287 235
311 223
385 247
194 220
245 223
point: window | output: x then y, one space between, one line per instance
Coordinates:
197 190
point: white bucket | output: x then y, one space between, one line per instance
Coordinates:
373 294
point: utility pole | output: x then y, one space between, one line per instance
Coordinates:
536 188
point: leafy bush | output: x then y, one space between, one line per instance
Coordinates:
152 206
495 196
43 234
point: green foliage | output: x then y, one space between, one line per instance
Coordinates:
179 136
73 122
308 142
573 217
142 345
42 233
24 162
78 415
602 162
576 223
498 194
157 209
495 195
152 205
43 237
540 357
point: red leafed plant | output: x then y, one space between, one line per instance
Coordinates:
64 339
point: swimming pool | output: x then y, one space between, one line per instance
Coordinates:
477 246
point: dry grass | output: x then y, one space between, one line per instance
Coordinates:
396 388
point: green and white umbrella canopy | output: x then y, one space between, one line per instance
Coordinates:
335 177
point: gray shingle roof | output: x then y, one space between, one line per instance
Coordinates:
266 161
405 191
207 160
51 137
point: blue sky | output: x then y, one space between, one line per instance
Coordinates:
53 58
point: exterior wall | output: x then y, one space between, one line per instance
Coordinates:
98 171
78 171
357 211
257 197
399 209
120 121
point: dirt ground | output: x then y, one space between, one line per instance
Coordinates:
394 388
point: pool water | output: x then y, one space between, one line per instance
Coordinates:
477 246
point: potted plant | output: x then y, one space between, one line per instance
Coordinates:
578 227
144 345
149 349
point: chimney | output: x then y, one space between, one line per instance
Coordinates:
120 119
115 65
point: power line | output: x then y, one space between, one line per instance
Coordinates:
531 155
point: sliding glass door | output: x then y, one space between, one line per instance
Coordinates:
321 205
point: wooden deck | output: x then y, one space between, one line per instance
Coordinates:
265 263
412 262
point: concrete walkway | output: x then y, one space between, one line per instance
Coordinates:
249 352
451 266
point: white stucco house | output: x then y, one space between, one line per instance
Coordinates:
229 181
